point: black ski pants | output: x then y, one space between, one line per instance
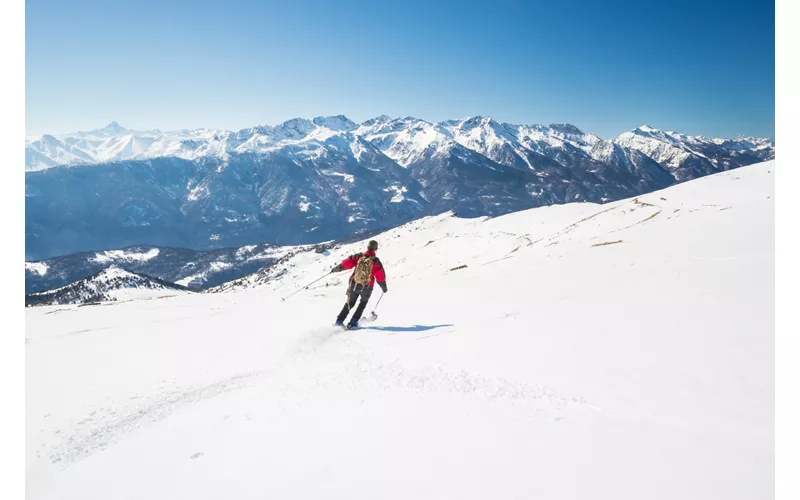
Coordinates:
354 291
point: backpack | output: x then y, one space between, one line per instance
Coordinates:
363 271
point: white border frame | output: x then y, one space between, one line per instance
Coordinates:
12 250
787 251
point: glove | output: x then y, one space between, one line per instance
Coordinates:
382 284
337 269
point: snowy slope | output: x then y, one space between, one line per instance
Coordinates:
622 351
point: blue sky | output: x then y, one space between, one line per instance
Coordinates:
699 67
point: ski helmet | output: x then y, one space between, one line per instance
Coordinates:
373 246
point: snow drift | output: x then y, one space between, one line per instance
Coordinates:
575 351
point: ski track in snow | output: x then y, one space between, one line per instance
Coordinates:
111 426
349 357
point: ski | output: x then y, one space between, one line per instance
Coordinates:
365 319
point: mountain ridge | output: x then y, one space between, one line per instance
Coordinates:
103 145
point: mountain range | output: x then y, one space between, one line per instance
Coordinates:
305 181
193 269
108 285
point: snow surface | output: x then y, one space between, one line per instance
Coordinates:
622 351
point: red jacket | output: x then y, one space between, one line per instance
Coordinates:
377 268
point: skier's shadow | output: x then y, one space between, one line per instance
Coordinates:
415 328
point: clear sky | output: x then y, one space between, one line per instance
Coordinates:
699 67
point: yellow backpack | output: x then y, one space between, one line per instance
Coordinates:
363 272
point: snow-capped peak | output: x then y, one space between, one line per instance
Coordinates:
114 127
295 128
405 140
113 273
647 129
377 119
484 135
566 128
49 140
476 121
338 122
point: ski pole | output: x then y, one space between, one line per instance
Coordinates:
373 314
303 288
378 303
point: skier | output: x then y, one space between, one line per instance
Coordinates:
368 269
